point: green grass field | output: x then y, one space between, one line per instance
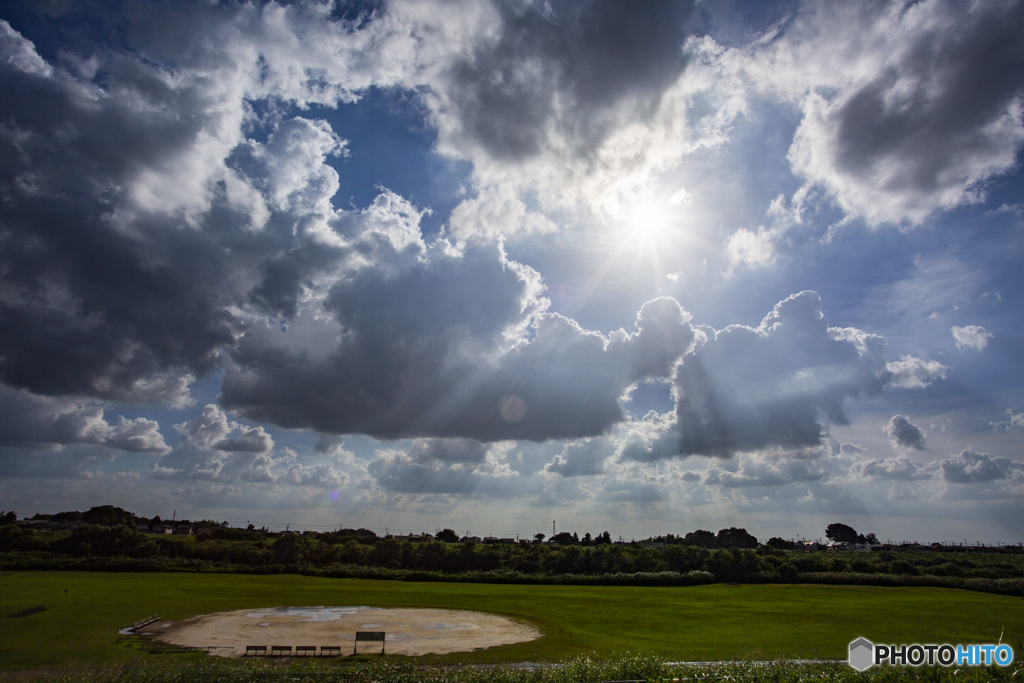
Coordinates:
719 621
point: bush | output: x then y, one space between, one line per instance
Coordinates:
902 567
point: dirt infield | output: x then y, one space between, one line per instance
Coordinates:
409 631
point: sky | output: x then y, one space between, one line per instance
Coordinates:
643 267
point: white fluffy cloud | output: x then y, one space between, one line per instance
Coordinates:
914 373
212 429
977 468
41 422
971 337
754 249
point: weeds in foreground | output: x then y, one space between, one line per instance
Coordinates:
585 669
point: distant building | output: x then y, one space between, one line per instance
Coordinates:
413 538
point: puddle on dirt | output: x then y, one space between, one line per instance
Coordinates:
437 626
310 613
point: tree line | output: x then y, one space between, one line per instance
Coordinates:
697 557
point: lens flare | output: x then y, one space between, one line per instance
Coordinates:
512 408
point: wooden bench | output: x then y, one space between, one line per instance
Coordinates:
305 650
280 650
370 636
139 625
330 650
255 650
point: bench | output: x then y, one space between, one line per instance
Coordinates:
280 650
330 650
255 650
305 650
139 625
370 636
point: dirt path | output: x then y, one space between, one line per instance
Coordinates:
409 631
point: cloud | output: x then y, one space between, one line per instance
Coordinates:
752 249
155 195
972 337
749 388
582 458
905 435
562 65
850 449
169 261
973 468
640 492
397 471
907 109
211 429
1013 421
914 373
568 103
436 346
41 422
466 451
652 438
213 448
765 472
893 469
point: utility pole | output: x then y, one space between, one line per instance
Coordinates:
552 528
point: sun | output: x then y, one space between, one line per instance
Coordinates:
645 222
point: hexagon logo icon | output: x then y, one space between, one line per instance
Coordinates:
862 654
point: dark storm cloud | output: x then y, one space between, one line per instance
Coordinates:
145 237
132 237
751 388
97 304
575 56
938 111
426 350
903 434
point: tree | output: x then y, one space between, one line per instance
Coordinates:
701 538
780 544
587 539
565 538
604 538
736 538
871 538
448 536
8 517
108 515
538 537
841 533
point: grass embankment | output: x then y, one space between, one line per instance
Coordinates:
720 621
